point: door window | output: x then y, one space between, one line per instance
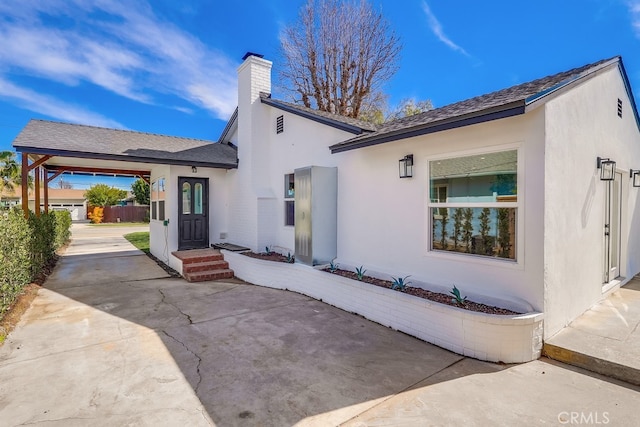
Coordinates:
197 198
186 198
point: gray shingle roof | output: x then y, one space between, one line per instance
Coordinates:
346 123
72 140
499 104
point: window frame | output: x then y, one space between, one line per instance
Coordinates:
289 199
158 204
518 205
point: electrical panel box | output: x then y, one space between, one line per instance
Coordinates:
316 214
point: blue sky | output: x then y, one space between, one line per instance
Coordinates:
169 67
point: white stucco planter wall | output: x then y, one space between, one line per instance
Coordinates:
509 339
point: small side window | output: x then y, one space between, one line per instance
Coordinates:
289 202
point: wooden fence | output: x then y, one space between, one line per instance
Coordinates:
126 213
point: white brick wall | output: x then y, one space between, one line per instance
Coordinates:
509 339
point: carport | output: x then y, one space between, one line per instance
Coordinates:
50 149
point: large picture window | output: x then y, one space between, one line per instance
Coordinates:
473 204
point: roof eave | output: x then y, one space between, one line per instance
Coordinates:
227 129
504 111
537 99
627 86
320 119
122 158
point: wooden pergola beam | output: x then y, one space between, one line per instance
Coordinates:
46 191
52 177
108 171
39 162
36 198
25 183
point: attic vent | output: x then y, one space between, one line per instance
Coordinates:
280 124
619 107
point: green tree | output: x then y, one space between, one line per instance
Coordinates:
379 111
104 195
484 218
467 228
10 174
444 220
140 190
458 218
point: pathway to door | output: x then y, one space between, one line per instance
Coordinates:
111 340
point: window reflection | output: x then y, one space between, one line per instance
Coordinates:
197 198
186 198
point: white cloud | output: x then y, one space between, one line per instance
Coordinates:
634 10
438 31
124 49
53 107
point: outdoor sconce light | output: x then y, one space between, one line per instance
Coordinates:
406 166
635 176
607 169
194 169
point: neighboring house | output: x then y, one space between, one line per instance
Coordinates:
59 199
504 196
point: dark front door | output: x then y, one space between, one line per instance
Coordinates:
193 209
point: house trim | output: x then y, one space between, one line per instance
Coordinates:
501 112
308 115
116 157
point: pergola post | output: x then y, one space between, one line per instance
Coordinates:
45 182
25 184
36 201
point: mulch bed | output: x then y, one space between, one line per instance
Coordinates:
170 271
423 293
271 256
417 292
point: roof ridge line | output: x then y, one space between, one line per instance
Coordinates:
125 130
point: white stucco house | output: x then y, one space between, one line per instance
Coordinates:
523 198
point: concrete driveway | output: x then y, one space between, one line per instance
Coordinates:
111 340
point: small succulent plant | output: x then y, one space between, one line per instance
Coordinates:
457 297
400 283
333 267
360 272
267 250
290 258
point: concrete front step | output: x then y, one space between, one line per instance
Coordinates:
592 363
196 267
203 276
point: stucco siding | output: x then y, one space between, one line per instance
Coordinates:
164 238
581 125
383 220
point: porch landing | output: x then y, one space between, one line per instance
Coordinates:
200 265
605 339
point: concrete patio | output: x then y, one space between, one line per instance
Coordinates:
605 339
111 340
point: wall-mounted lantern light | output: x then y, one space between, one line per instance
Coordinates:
194 169
607 169
406 166
635 177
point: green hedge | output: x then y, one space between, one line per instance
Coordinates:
26 246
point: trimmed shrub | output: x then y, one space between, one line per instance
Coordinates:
96 215
62 227
15 256
26 246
